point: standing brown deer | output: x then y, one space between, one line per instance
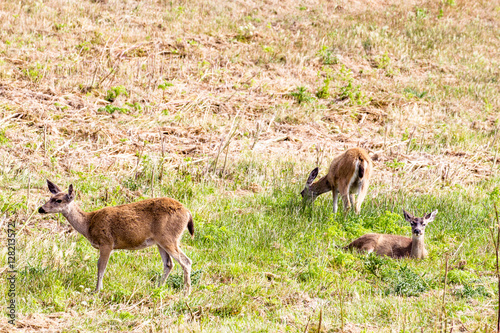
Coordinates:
349 174
133 226
397 246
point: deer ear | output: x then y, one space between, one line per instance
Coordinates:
408 216
431 216
71 193
53 188
312 176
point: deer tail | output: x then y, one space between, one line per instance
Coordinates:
190 225
361 167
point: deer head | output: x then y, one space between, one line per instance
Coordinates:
59 202
418 224
308 193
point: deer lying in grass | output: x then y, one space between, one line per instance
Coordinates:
397 246
349 174
133 226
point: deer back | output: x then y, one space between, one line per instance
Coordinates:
394 246
384 245
133 225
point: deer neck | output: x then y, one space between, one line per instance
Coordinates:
77 218
321 186
417 247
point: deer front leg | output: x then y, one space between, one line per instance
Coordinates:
104 253
335 194
343 188
344 192
352 201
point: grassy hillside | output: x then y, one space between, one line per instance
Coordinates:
227 106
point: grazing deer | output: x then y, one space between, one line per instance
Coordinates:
133 226
349 174
397 246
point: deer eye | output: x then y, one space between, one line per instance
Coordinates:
58 200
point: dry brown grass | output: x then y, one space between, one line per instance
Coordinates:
215 56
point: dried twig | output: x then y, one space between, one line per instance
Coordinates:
28 194
222 146
307 324
443 313
409 140
496 244
320 319
256 135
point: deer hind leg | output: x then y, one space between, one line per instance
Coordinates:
168 264
345 200
361 196
104 253
175 252
187 271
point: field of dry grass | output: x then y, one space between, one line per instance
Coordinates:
226 106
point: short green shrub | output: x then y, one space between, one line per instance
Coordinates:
472 290
176 281
405 282
458 276
301 95
112 109
114 92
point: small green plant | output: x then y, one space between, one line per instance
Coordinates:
35 72
245 33
488 107
387 223
458 276
374 263
59 26
405 282
176 281
60 106
471 290
395 164
351 91
324 91
411 92
301 95
367 45
165 85
136 106
420 13
3 138
383 61
114 92
112 109
327 56
83 47
267 49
